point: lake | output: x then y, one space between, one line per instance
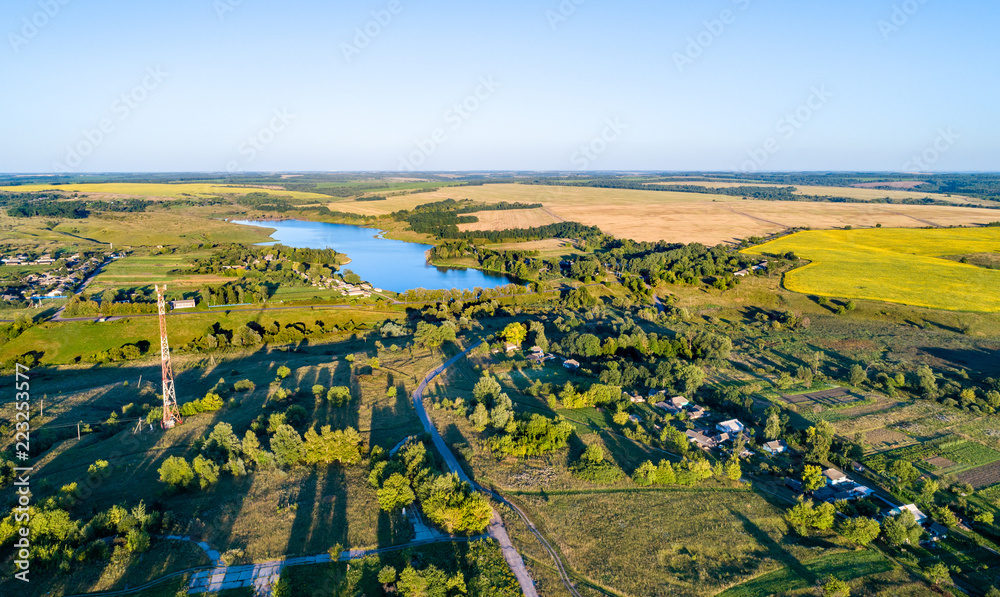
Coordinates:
390 264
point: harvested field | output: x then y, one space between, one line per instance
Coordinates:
833 397
899 184
160 190
940 462
509 219
685 217
983 476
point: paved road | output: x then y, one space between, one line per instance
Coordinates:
496 529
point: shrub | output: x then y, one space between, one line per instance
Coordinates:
244 385
176 472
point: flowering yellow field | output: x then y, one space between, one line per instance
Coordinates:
896 265
161 190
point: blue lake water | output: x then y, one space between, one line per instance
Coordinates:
390 264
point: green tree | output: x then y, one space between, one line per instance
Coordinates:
901 529
339 395
480 417
387 576
812 478
938 574
860 530
283 372
207 471
928 487
858 375
395 494
487 389
733 470
645 474
926 382
176 472
515 333
210 403
137 541
373 363
286 444
945 516
328 446
772 429
903 471
819 438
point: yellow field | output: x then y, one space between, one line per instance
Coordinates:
900 266
511 218
160 191
686 217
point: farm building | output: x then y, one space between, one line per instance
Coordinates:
778 446
732 426
183 304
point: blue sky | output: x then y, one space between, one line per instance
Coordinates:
251 85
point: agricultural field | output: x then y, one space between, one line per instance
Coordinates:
146 270
858 192
684 217
949 454
160 190
902 266
686 542
509 219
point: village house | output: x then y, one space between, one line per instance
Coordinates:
835 477
732 426
571 364
700 439
696 412
775 447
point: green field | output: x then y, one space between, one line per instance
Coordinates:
64 343
146 270
896 265
686 542
844 566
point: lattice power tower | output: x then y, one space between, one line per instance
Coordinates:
171 416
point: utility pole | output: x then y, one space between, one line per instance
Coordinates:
78 431
171 416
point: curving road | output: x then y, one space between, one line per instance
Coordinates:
496 530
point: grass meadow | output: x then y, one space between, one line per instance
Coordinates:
65 343
262 516
896 265
686 541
